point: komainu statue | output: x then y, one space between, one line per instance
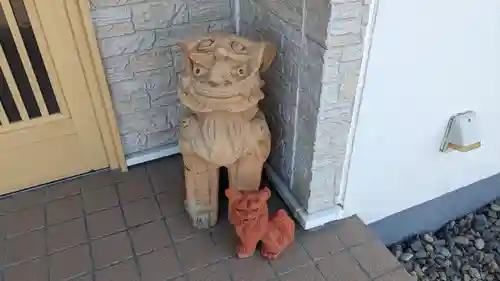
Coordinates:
220 88
249 214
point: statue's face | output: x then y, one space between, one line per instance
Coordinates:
218 63
221 62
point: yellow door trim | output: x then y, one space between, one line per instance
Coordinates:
86 40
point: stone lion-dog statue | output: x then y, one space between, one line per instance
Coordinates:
222 126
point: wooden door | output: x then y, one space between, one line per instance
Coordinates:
48 125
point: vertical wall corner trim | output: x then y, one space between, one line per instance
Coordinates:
237 18
367 44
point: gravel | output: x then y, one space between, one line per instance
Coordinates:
465 249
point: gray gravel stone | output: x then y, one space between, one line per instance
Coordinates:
488 235
479 244
428 238
429 248
480 222
474 272
465 249
461 240
494 207
444 251
439 243
397 251
417 246
421 254
406 257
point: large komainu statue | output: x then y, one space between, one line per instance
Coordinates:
220 88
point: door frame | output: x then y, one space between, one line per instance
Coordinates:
84 36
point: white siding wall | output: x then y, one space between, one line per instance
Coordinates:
429 60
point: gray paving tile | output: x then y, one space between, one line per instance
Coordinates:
322 242
124 271
341 267
374 258
25 246
69 263
216 272
105 222
292 257
197 252
111 249
64 209
307 273
159 265
33 270
141 211
345 250
353 231
251 269
150 236
25 220
97 199
66 234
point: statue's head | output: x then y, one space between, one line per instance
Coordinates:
223 66
247 205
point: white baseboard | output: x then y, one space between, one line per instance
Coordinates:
306 220
152 154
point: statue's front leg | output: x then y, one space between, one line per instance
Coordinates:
246 172
202 190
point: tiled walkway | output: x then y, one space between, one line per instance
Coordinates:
115 226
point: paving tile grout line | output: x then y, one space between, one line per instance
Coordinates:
315 262
3 256
134 254
155 193
90 240
86 214
276 273
226 266
43 203
185 273
174 247
87 234
353 258
47 186
46 234
372 239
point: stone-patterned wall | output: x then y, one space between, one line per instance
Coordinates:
258 20
137 42
310 88
342 50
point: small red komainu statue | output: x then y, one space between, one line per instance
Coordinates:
248 213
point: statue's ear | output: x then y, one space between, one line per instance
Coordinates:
187 46
268 52
229 193
265 194
232 194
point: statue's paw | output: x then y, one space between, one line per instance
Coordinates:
244 252
203 219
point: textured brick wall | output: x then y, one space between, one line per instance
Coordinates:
310 88
137 43
343 51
